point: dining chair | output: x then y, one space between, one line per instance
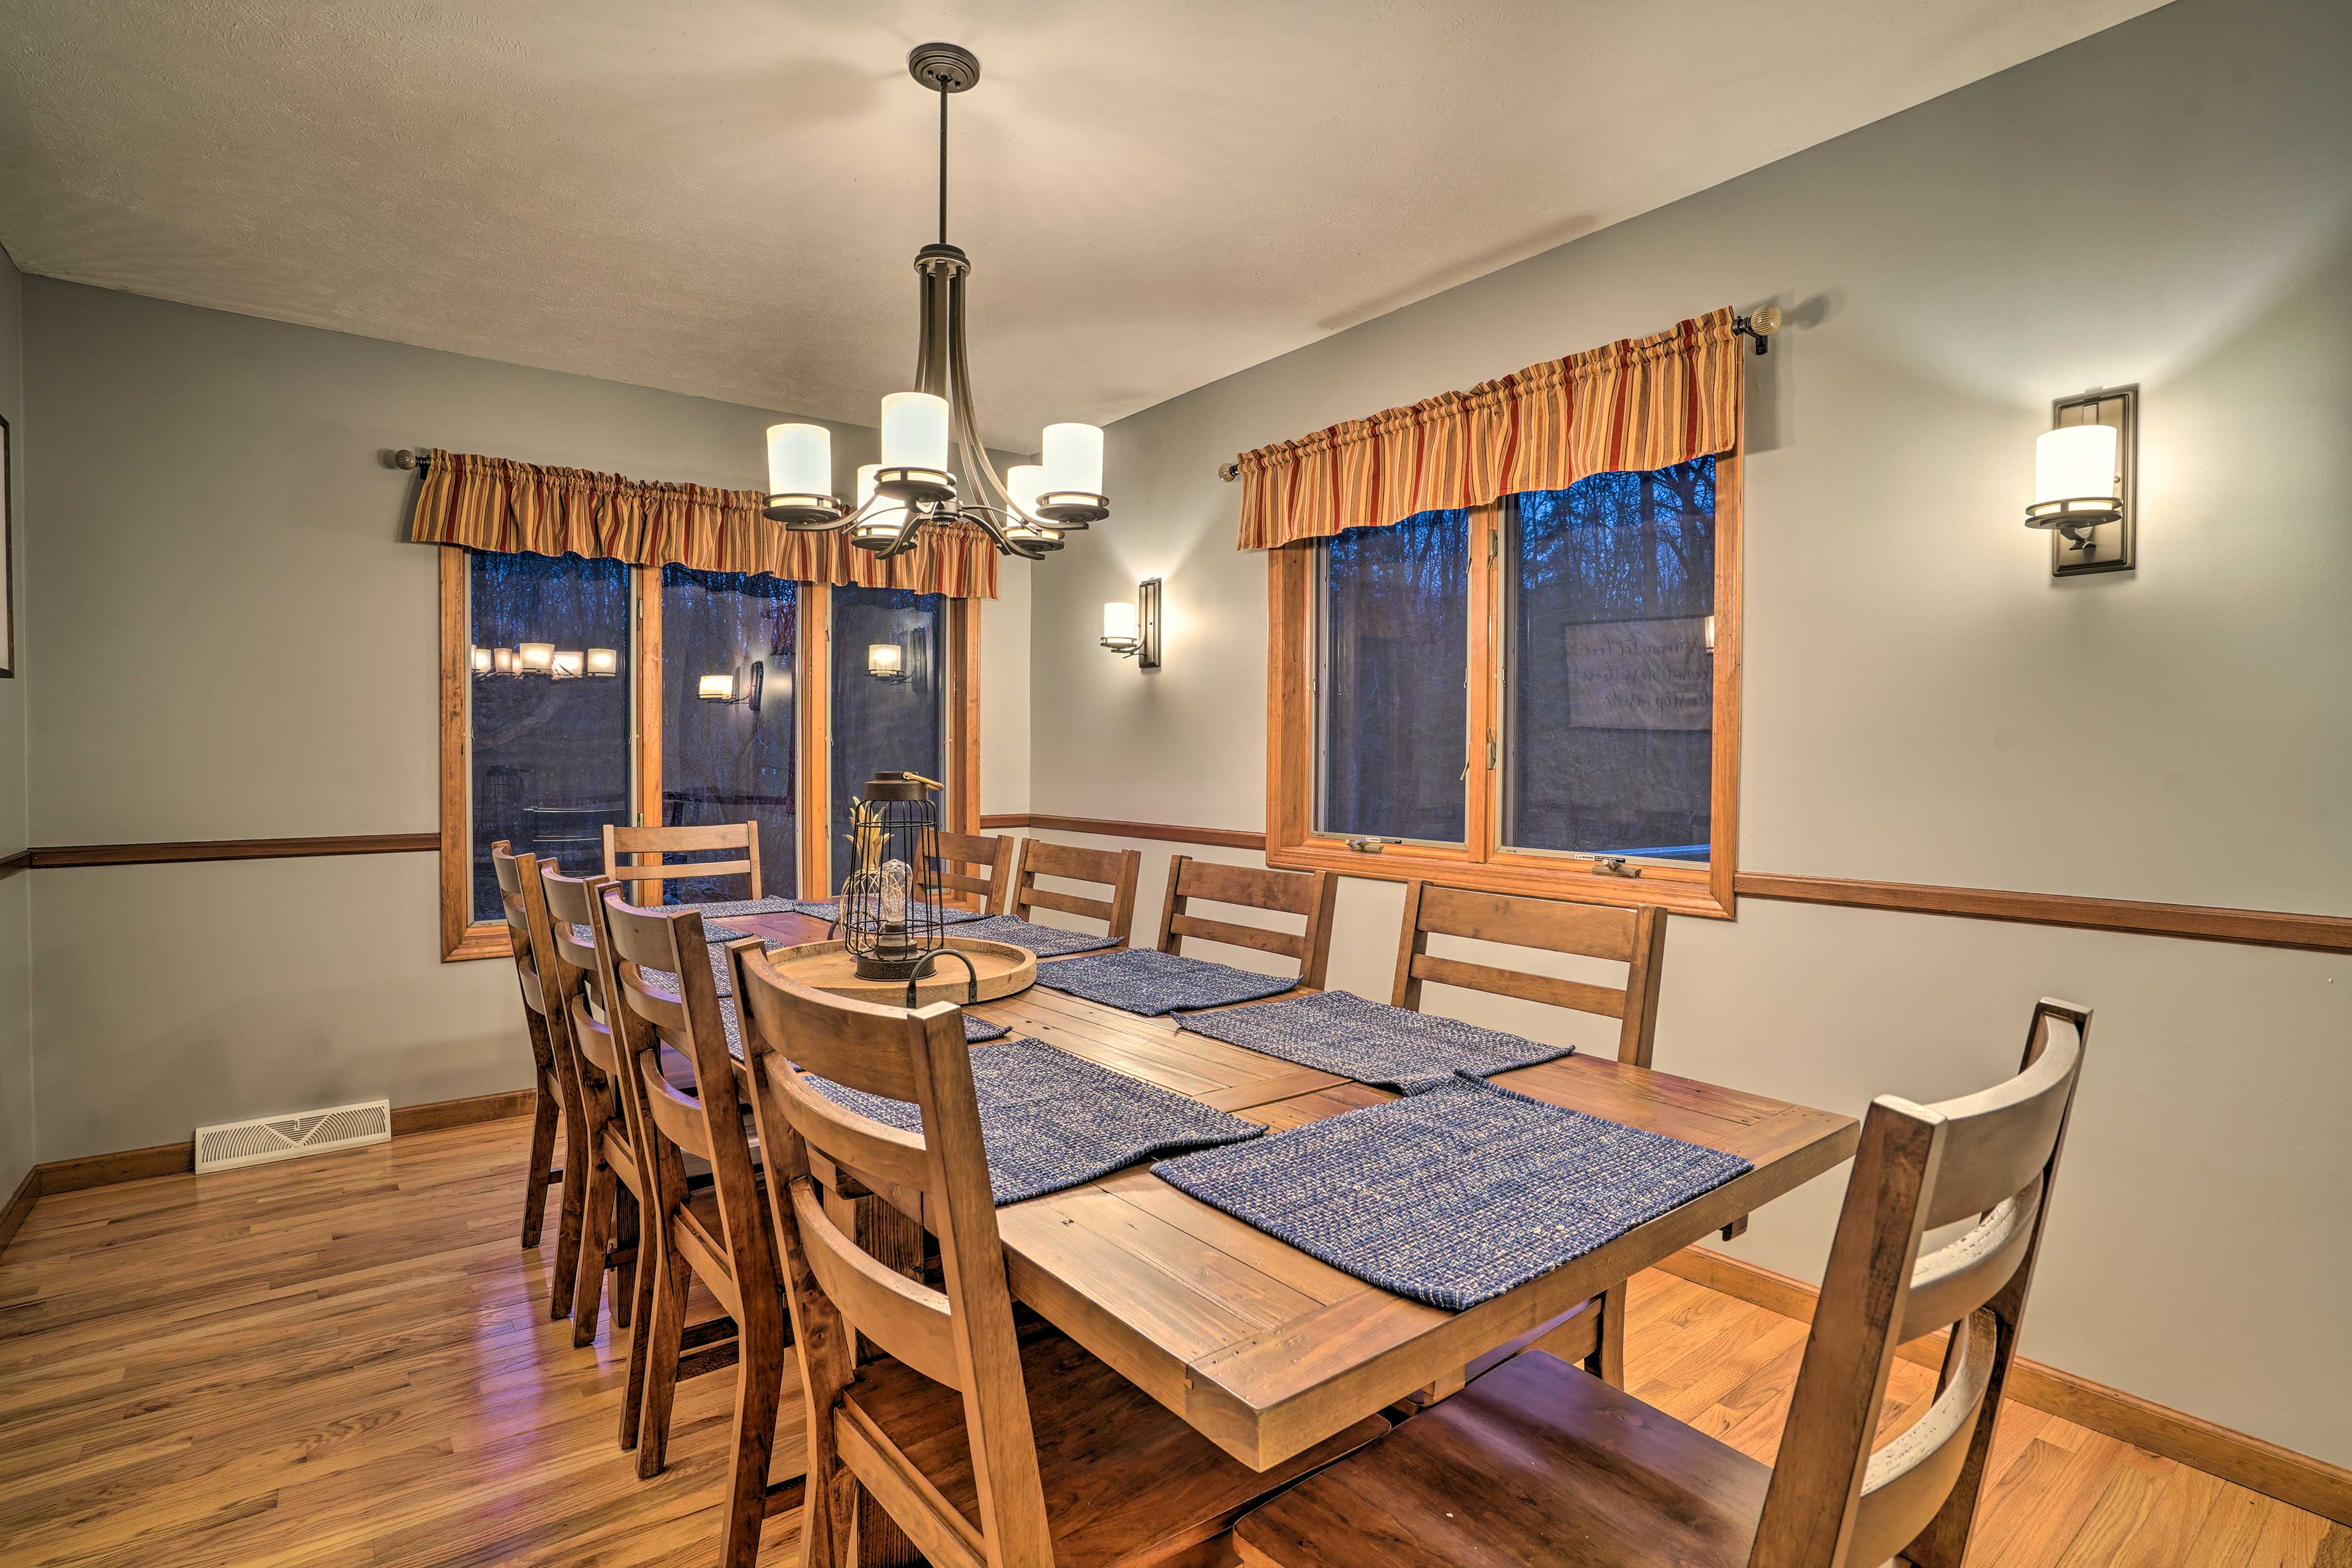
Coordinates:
716 1235
1542 1464
988 1440
1117 870
558 1101
1595 1334
996 857
1307 893
634 855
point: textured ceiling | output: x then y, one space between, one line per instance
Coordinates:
723 198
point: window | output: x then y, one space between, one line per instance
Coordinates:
889 695
724 701
1539 696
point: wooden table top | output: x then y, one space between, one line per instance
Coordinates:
1263 1348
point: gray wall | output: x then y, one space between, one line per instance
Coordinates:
2165 204
15 892
241 645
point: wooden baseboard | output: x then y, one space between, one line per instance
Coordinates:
2313 1485
12 1216
56 1176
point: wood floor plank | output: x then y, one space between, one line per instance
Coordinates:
346 1360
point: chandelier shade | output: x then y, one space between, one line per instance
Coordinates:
935 468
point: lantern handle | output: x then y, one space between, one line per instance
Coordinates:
971 981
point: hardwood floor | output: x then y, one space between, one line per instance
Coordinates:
346 1359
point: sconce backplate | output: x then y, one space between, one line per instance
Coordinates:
1147 618
2107 546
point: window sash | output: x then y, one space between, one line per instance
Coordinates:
1295 738
463 938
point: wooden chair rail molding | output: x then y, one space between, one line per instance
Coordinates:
74 1176
175 852
2299 1479
2207 922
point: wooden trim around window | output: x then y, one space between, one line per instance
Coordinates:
814 695
460 937
963 715
1481 862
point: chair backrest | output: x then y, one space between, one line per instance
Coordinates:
662 993
961 1335
998 860
644 847
1833 1502
1308 893
1635 938
571 911
527 926
1117 870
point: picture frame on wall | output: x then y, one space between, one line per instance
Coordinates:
7 555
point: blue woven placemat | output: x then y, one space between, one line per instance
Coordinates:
1045 942
1339 1031
1454 1195
1053 1120
1146 980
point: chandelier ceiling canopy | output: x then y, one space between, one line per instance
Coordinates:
1027 509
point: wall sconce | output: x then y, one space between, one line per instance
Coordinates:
1133 630
604 661
723 688
886 661
503 661
482 661
2086 483
534 658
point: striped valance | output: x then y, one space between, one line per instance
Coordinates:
1638 404
497 503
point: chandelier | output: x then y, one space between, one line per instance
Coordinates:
1027 509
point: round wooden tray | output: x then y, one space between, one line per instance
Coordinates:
1002 969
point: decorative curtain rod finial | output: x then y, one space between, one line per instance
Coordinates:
1229 472
409 457
1760 324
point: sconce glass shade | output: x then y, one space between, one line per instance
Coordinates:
915 431
1074 458
884 658
716 688
2074 478
570 664
1122 631
604 661
534 658
800 460
482 665
502 660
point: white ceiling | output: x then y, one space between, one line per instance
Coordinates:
724 196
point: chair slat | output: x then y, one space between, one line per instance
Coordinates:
1964 1274
909 1321
1597 931
832 1037
1286 893
1570 994
1999 1140
1118 869
679 1116
635 854
1287 944
664 873
877 1155
1067 903
1909 1479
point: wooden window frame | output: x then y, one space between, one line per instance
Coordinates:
464 939
1293 844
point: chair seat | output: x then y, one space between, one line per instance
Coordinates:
1536 1463
1125 1481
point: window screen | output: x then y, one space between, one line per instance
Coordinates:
731 759
1391 700
550 754
1607 707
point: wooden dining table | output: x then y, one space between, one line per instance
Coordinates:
1263 1348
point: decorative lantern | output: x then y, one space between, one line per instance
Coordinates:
892 921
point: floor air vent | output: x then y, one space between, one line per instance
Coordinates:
267 1137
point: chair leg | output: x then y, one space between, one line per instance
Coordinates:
663 1342
1608 1362
758 1389
596 1230
571 1221
542 1161
629 1229
639 1304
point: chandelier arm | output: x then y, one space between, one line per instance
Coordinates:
986 480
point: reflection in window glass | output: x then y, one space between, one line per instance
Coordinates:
1392 705
550 753
1609 707
889 692
730 758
